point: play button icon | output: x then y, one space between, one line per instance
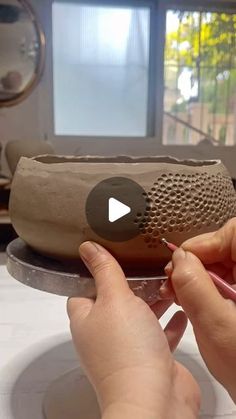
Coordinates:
112 208
117 210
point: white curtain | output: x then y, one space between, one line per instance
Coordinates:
104 52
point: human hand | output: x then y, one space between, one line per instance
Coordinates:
124 350
213 317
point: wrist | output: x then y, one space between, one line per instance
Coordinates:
126 411
148 395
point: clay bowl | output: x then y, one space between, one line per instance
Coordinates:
57 203
183 199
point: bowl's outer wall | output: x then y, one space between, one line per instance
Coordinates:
47 206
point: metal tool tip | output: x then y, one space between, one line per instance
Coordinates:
163 241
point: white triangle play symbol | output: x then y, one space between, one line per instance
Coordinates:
117 210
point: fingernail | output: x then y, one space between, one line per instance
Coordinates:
163 287
166 291
169 269
179 255
88 250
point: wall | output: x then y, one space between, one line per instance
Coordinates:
21 121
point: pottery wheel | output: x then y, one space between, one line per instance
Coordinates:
66 279
71 397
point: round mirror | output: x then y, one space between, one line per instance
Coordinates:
22 50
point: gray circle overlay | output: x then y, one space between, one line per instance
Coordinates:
125 191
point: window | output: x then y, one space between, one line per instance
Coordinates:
100 69
140 77
200 78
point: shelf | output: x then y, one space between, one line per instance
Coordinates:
5 219
4 216
5 183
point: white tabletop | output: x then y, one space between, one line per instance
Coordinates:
36 348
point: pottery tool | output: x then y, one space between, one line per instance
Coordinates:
228 291
66 279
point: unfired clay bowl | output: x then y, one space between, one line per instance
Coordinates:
184 199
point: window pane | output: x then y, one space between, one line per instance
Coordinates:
200 78
100 69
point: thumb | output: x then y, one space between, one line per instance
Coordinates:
219 246
196 291
108 275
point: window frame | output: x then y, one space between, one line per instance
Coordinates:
47 82
152 144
